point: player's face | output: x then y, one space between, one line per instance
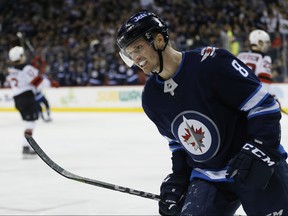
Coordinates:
143 55
265 47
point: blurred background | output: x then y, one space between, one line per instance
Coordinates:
73 41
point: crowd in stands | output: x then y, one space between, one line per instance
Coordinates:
74 40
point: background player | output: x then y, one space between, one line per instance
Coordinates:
257 59
42 101
24 79
222 126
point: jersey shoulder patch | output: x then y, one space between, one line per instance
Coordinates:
207 52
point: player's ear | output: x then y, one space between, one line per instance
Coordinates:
260 43
159 42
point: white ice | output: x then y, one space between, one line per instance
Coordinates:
119 148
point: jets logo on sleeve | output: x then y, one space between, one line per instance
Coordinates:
207 51
198 134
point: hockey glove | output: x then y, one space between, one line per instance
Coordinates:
253 166
172 193
54 83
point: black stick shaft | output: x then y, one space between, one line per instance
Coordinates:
72 176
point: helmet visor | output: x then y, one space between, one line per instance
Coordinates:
128 61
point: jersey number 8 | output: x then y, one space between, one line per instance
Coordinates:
239 68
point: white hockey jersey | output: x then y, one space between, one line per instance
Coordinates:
22 80
260 64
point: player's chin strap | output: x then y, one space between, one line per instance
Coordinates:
159 51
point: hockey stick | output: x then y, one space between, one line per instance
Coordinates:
283 111
26 41
72 176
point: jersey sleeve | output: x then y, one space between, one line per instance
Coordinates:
32 75
235 84
263 71
10 76
179 155
174 145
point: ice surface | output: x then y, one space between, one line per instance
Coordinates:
119 148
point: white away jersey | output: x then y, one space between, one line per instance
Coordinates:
260 64
22 80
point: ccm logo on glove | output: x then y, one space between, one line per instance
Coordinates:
258 153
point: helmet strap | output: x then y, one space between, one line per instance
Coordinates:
160 61
159 51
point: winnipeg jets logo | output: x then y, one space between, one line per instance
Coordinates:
207 51
197 133
192 137
139 17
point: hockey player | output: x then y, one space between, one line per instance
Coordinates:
41 99
257 59
24 79
39 63
222 126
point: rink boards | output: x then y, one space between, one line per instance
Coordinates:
105 99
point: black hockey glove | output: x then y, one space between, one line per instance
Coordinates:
172 193
253 166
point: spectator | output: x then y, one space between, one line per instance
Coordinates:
64 30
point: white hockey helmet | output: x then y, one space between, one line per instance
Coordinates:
261 39
16 53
